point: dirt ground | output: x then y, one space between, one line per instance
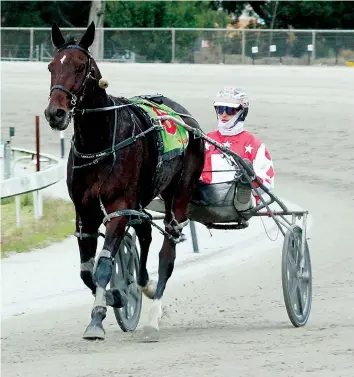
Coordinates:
222 317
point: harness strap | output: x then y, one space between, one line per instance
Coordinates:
82 235
142 216
77 47
87 75
127 212
61 87
101 155
99 109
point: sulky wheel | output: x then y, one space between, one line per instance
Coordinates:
124 277
296 277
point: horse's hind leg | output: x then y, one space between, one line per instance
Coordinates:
176 206
166 262
192 168
143 232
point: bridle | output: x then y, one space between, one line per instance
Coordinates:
89 69
96 157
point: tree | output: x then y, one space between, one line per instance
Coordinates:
300 14
97 13
43 13
156 45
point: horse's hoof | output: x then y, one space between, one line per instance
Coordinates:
95 329
150 334
116 298
94 332
150 289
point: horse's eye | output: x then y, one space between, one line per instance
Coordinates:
80 68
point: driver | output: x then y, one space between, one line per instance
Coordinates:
231 107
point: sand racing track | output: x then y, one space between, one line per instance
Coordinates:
224 313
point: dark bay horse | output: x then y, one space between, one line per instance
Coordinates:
111 171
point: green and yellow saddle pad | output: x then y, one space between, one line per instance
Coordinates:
173 137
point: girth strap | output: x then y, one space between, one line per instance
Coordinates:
82 235
103 154
127 212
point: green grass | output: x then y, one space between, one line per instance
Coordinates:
56 224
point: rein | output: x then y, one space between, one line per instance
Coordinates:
140 215
96 157
115 147
75 100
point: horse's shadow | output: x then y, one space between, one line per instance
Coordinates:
217 330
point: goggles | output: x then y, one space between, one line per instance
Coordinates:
229 110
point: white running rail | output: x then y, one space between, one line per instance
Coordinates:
52 171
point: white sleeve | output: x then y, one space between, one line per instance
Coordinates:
263 167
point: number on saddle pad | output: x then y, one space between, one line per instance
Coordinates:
174 137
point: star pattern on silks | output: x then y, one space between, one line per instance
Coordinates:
227 144
248 148
207 146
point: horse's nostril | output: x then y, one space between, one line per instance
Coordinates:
60 113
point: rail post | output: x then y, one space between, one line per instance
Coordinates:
243 46
37 143
37 195
194 237
173 45
313 53
7 159
31 55
62 148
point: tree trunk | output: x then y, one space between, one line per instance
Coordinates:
272 25
97 16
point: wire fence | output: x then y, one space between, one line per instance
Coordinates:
188 45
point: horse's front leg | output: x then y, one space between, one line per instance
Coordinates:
102 274
87 234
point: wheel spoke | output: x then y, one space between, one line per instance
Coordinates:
292 287
296 277
292 265
134 292
298 251
126 310
124 258
299 299
128 260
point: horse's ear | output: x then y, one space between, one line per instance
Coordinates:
88 37
57 37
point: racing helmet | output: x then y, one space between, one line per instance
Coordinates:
233 97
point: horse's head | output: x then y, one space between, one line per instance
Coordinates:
70 70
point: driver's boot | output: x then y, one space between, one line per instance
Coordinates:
244 192
243 196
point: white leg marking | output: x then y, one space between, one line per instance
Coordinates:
62 59
100 298
155 314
